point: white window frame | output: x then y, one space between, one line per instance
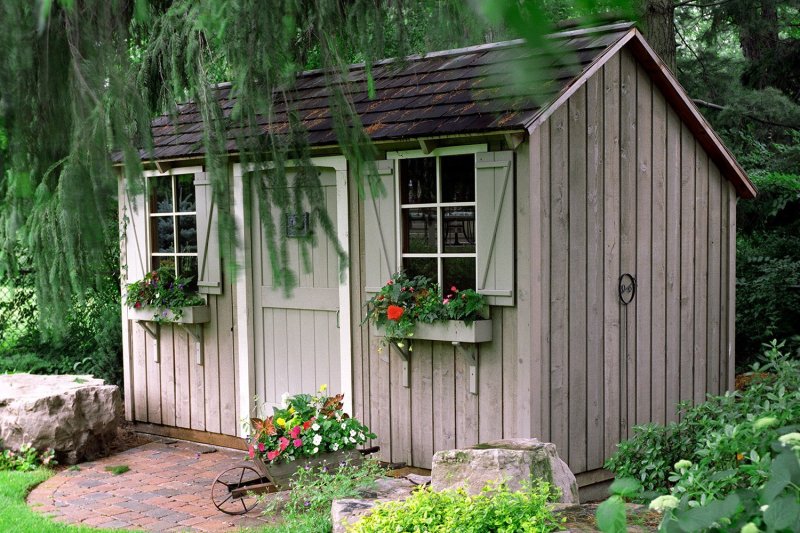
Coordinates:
172 174
440 254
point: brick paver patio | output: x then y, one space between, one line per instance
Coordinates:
167 489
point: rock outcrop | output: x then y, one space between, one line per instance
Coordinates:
76 416
347 512
513 461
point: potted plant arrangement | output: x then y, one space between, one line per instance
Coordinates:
161 296
415 308
306 431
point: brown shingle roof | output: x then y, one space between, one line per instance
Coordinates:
449 92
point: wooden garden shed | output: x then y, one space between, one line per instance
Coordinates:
600 225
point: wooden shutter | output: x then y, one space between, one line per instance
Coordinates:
495 226
380 230
137 262
209 262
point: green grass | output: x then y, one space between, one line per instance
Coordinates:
15 515
117 470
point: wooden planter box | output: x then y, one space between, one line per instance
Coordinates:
456 331
280 474
197 314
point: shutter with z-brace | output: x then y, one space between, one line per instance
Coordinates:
380 230
209 262
494 197
136 254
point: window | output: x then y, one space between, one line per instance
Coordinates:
437 219
173 224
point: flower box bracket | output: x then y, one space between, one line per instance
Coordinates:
470 352
190 320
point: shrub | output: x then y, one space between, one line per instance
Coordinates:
25 459
313 491
496 509
721 434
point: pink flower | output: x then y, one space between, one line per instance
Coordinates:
295 432
261 446
453 289
297 442
138 305
446 301
390 282
283 442
273 454
251 452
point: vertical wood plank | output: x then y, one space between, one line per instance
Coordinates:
530 318
490 374
594 270
183 386
228 360
358 334
153 382
319 357
673 231
292 366
444 397
628 234
280 347
644 259
309 350
544 262
611 255
211 368
576 327
196 379
139 355
687 265
167 377
658 273
731 287
466 406
714 251
422 414
700 275
722 375
559 282
400 418
382 406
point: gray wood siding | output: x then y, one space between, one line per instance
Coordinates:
176 391
625 188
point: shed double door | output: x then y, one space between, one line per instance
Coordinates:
296 337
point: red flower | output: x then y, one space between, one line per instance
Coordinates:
394 312
295 432
307 423
273 454
138 305
261 446
251 452
283 442
297 443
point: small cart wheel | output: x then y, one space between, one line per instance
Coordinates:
227 491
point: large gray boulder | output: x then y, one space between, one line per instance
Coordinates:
513 461
346 512
77 416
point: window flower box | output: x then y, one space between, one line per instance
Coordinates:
195 314
455 331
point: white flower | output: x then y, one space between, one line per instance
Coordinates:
352 439
764 508
750 528
344 426
285 400
361 436
335 446
317 440
662 503
315 450
352 432
790 439
683 464
315 426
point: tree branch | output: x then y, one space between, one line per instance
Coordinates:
717 107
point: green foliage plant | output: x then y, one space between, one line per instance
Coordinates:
495 509
26 459
726 439
314 489
163 291
117 470
610 514
404 302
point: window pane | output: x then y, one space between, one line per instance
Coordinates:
458 178
458 272
162 230
458 233
187 268
419 266
167 262
161 194
418 180
187 234
184 192
419 230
